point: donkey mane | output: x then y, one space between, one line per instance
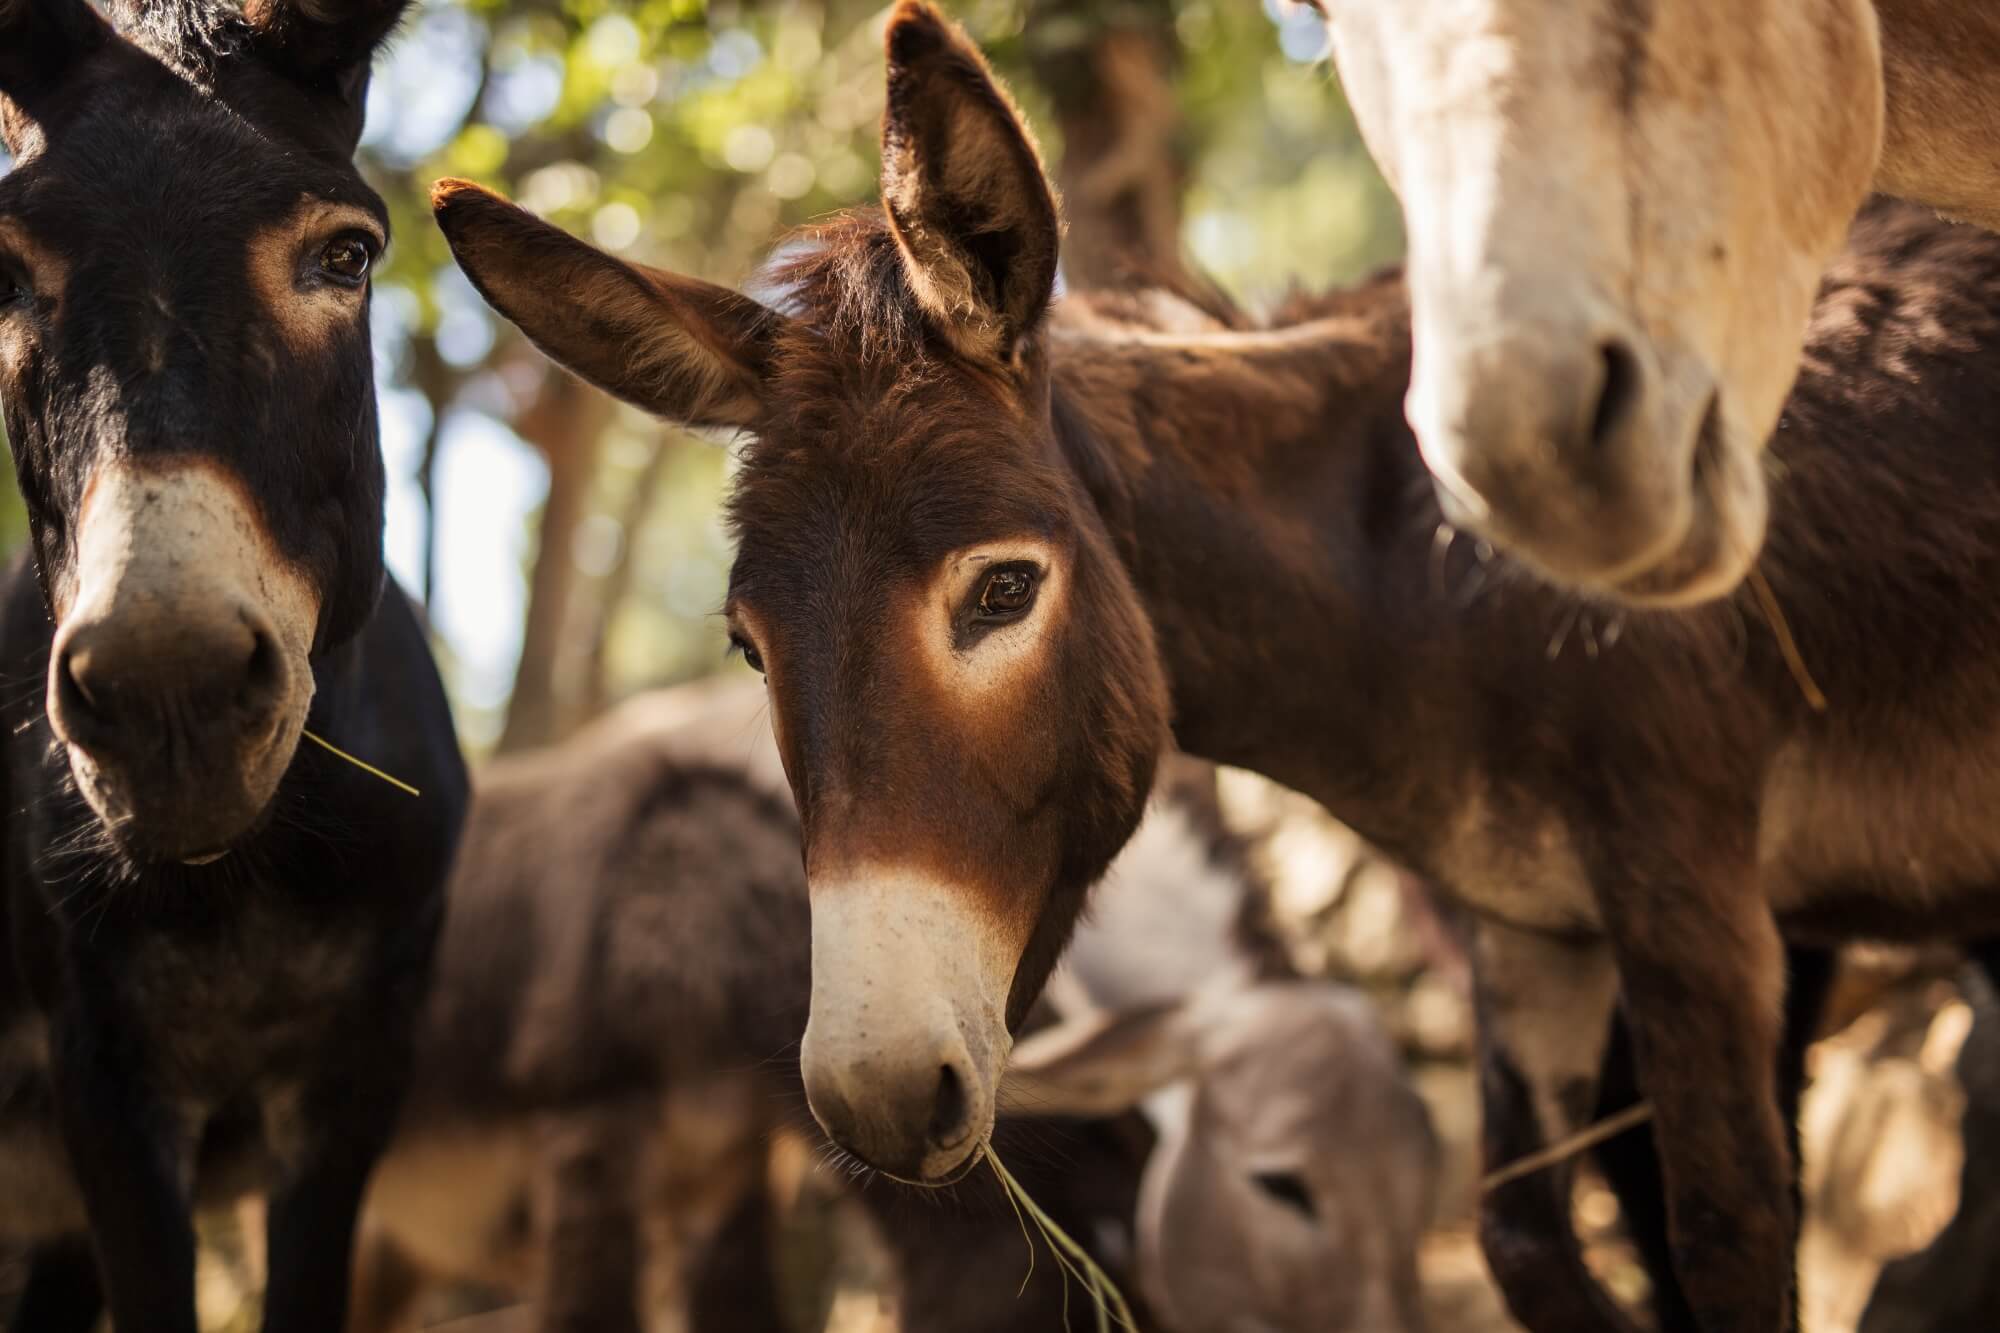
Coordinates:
845 279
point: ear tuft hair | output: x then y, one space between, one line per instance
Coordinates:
963 185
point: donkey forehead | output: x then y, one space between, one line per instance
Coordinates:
887 507
189 168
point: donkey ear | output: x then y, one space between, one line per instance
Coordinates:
330 42
41 41
680 348
1100 1065
964 188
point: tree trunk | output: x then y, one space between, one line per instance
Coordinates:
1109 70
438 382
616 584
563 424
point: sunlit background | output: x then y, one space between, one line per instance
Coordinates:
529 513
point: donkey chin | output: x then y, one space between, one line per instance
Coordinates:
180 675
908 1034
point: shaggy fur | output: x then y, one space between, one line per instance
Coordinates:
171 1030
1637 807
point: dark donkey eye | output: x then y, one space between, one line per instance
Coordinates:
346 259
750 655
1288 1188
1008 591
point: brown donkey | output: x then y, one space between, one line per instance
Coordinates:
1618 212
612 1047
987 550
214 938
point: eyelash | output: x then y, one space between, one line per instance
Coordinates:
740 646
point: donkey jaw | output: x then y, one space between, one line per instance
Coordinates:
1722 542
907 1035
180 676
1703 554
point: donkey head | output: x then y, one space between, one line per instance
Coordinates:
963 685
185 364
1618 213
1296 1169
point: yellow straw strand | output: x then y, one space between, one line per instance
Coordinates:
1029 1276
1787 646
1104 1293
1589 1137
361 764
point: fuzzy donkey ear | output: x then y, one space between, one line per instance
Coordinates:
964 188
323 39
41 44
1101 1065
680 348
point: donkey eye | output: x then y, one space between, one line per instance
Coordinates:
346 259
742 645
13 287
1288 1188
1008 591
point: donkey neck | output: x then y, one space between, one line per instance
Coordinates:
1319 625
1940 59
1265 498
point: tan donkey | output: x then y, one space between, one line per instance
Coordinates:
1618 212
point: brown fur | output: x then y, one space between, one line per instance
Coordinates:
612 1046
1245 516
1941 85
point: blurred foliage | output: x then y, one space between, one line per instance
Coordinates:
690 136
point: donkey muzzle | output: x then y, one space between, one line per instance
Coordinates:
907 1036
179 677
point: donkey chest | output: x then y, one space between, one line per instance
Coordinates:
1901 842
1517 865
37 1198
232 1011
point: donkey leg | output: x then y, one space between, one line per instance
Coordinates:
64 1293
329 1137
1544 1008
1704 978
311 1239
1631 1161
127 1152
592 1247
387 1287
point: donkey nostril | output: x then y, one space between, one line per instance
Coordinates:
950 1112
263 672
1618 396
73 679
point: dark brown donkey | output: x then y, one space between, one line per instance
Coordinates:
214 940
988 550
612 1046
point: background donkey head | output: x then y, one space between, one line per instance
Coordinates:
185 363
1618 213
1296 1169
964 688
